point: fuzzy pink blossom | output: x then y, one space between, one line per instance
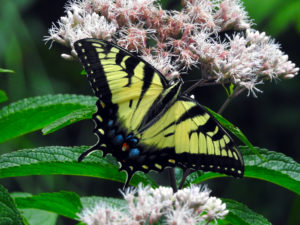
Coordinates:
176 42
147 205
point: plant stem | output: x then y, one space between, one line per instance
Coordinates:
225 104
202 83
235 93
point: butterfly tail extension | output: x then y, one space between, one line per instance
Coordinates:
87 152
128 179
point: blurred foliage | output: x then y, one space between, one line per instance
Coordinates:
6 71
271 121
20 51
3 96
274 16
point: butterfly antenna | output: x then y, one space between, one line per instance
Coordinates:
87 152
188 81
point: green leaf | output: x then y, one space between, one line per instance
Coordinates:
6 71
83 72
9 215
278 169
20 195
35 113
242 215
229 90
178 175
3 96
189 179
62 203
88 202
39 217
63 160
73 117
35 216
234 130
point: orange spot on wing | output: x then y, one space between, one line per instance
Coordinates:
125 147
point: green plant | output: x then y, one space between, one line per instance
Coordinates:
53 112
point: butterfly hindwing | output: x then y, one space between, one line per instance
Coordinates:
193 139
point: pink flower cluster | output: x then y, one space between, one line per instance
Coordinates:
146 205
175 42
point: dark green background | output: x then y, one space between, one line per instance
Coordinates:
271 121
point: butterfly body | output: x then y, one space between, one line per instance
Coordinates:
145 122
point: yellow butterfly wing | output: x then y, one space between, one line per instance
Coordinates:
192 138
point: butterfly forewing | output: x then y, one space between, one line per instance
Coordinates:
120 78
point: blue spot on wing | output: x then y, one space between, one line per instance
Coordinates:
134 152
110 123
111 133
118 140
134 140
